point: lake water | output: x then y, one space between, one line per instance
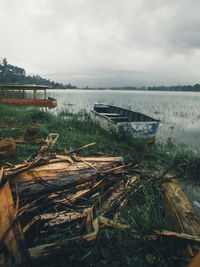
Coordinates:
179 112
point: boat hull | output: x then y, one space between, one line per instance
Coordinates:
134 129
31 102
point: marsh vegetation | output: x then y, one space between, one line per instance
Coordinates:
113 247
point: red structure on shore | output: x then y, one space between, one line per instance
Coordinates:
21 96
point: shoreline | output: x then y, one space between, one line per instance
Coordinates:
78 130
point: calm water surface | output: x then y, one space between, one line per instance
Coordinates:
179 112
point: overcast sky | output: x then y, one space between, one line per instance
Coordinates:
104 42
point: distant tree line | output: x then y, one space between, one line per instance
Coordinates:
14 74
188 88
194 88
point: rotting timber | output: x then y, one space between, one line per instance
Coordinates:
40 198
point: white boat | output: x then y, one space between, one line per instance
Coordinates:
125 122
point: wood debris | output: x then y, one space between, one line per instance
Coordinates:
54 200
7 147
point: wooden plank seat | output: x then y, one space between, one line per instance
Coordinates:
120 119
101 106
110 114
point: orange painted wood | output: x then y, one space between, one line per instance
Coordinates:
11 235
21 101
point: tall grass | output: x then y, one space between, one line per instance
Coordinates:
78 129
113 247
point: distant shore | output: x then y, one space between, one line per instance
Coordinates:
157 89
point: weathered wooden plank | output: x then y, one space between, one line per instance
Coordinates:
103 159
1 174
39 186
60 162
182 214
178 235
56 218
56 170
50 177
11 234
183 217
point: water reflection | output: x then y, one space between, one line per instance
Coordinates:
178 111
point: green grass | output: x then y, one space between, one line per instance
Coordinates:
113 247
77 129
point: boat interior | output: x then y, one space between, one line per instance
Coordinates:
117 114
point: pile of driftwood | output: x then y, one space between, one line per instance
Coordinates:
52 201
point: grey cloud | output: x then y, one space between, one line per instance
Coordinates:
99 43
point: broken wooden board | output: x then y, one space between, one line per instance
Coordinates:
182 212
65 161
13 245
60 172
58 192
183 217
